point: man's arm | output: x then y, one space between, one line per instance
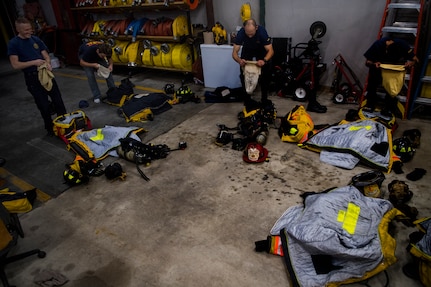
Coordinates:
45 55
370 63
89 65
269 53
18 65
111 64
235 55
412 62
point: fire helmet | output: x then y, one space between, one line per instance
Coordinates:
255 153
403 148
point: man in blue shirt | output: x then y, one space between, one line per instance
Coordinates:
92 55
256 46
385 51
26 53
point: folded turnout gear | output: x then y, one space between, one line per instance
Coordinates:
367 140
117 96
335 238
142 107
99 143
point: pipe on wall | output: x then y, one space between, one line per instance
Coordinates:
210 13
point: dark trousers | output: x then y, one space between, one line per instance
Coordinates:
264 80
374 81
41 98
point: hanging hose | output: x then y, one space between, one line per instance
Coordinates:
262 12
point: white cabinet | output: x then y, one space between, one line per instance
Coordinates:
219 68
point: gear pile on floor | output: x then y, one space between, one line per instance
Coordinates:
302 235
254 123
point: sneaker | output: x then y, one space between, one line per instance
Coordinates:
97 101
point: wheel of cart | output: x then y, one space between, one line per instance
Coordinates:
346 85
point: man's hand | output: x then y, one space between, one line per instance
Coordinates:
242 62
369 63
260 63
409 64
38 62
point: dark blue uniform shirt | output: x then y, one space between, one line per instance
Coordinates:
88 52
27 50
254 46
397 53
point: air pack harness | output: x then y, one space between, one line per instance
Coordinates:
141 153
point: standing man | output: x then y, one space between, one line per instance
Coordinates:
256 46
386 51
94 57
28 53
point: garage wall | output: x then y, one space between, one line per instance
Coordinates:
351 25
46 7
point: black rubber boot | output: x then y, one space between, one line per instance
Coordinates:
316 107
411 270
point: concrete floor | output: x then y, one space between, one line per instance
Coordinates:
195 222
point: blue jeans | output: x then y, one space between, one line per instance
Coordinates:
91 77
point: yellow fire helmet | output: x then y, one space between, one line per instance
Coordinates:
245 12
